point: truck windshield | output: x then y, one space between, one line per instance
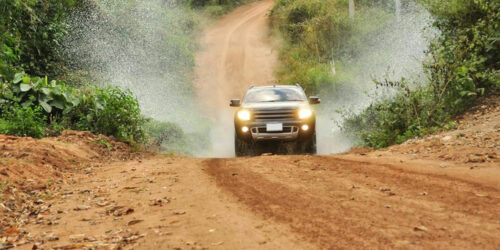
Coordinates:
275 95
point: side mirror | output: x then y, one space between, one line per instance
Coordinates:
235 103
314 100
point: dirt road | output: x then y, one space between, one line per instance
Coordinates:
271 202
81 190
439 192
236 53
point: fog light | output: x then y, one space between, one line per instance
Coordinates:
244 129
305 127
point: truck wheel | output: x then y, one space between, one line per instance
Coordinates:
243 148
308 146
312 148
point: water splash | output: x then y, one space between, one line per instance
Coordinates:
146 46
396 52
143 45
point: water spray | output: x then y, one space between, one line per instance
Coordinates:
396 51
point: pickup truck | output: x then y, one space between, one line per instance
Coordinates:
276 116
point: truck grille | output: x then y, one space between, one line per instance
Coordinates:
286 129
274 115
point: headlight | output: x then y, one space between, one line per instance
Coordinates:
244 115
305 113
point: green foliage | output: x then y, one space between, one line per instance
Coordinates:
109 111
22 121
38 103
55 97
463 61
316 32
166 135
464 65
30 34
171 138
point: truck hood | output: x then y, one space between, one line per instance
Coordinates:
274 105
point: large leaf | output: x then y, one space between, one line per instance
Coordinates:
36 82
58 104
46 106
25 87
45 98
18 77
67 110
26 79
46 91
57 90
75 102
27 103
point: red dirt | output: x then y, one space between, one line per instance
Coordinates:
30 163
358 200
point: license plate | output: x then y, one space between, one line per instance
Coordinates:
274 127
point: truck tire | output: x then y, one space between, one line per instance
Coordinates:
312 148
243 148
308 146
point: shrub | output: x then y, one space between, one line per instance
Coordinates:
109 111
163 132
464 65
54 97
30 34
167 136
22 121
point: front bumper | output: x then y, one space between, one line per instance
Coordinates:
291 131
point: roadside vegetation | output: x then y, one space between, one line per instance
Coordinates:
43 92
462 62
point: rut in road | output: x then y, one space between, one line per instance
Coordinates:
336 203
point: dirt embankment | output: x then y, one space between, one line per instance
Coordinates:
32 170
29 163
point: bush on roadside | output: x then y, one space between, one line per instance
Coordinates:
463 61
318 31
166 136
109 110
464 65
30 35
22 121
